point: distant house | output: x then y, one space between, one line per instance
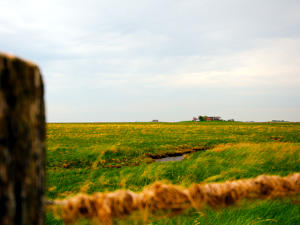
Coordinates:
231 120
210 118
154 121
214 118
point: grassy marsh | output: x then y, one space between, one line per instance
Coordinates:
108 156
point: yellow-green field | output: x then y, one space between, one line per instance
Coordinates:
108 156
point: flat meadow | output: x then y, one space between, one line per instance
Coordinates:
100 157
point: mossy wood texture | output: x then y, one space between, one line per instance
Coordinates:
22 142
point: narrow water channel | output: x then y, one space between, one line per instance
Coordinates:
170 158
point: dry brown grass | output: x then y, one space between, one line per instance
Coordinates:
159 197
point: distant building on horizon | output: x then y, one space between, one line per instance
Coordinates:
209 118
213 118
154 121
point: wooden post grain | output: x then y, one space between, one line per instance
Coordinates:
22 142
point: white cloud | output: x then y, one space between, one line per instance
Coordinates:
271 63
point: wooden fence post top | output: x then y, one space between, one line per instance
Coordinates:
13 57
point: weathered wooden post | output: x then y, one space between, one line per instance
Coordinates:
22 142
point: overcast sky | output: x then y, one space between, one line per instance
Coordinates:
168 59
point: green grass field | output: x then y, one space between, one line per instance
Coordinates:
99 157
